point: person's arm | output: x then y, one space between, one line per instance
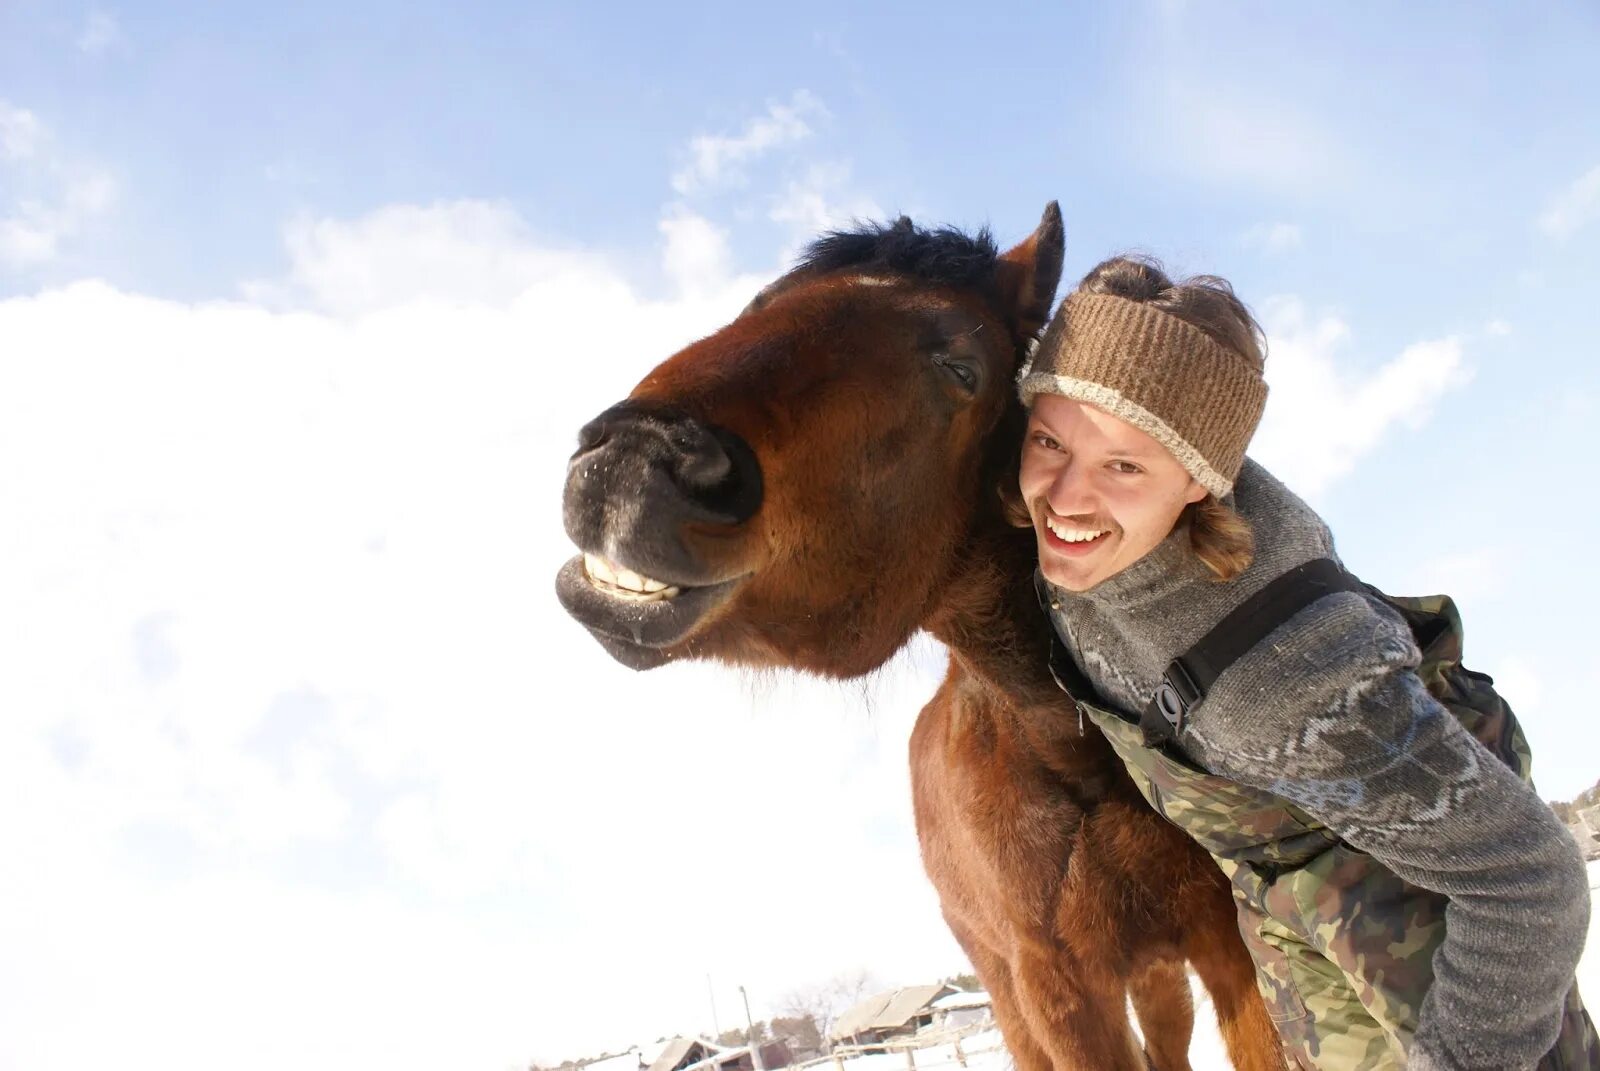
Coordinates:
1328 712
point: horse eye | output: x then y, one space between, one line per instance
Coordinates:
963 372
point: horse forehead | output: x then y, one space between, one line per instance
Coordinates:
891 293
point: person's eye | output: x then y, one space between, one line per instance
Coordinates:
1127 468
1041 439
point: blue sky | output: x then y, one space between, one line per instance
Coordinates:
300 309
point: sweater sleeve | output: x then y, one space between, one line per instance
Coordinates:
1328 712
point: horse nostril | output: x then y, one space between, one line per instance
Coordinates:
679 462
714 469
702 465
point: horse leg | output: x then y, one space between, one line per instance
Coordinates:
1078 1012
1026 1052
1165 1010
995 974
1229 975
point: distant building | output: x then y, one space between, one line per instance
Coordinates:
694 1054
683 1052
1585 827
891 1014
960 1009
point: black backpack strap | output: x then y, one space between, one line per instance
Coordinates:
1191 674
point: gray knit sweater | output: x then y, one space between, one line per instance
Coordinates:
1328 713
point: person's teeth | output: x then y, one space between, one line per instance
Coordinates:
1075 535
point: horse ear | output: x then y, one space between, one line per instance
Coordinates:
1030 272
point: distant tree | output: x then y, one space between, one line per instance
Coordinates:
1568 812
825 1002
967 982
736 1036
799 1032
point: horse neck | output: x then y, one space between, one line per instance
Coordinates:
989 618
999 640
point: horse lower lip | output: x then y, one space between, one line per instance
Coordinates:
642 622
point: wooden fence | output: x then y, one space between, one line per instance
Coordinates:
962 1043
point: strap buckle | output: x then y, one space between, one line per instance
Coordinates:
1169 708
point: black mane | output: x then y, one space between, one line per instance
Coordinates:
944 256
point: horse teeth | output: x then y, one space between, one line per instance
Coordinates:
599 569
625 582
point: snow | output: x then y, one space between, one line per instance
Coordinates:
983 1051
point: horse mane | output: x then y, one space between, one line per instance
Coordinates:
943 256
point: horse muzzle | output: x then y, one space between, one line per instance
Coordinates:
652 497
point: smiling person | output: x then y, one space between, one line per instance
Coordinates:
1408 898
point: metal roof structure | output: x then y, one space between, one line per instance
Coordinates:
888 1010
958 999
677 1052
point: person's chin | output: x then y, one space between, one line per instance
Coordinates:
1073 576
1076 582
1076 573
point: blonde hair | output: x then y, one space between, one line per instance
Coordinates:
1219 537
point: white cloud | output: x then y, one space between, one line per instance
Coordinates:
287 682
100 32
27 237
1272 237
1497 328
19 132
695 258
717 160
458 253
821 200
1573 208
1324 415
47 197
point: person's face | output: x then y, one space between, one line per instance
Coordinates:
1102 493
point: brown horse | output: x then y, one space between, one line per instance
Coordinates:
816 481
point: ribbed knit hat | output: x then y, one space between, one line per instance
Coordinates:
1166 377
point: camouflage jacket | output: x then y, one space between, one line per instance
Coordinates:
1343 947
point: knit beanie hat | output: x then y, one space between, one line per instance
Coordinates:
1166 377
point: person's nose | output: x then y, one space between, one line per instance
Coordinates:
1071 493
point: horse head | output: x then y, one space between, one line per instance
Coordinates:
794 489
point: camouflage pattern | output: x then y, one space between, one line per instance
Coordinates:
1343 948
